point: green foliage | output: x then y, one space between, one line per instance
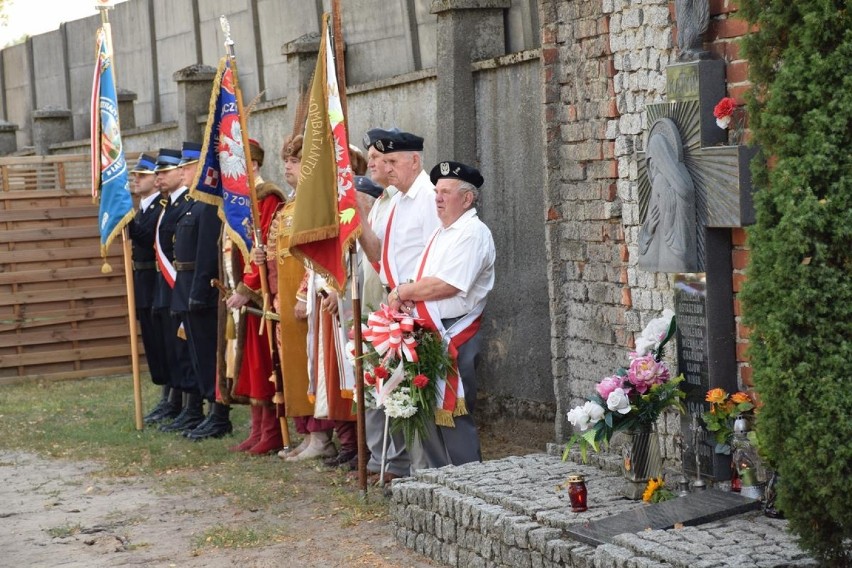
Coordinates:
719 420
433 362
798 297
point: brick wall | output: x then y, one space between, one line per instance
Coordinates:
603 61
585 239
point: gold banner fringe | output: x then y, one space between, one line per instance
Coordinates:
461 408
444 418
348 394
128 217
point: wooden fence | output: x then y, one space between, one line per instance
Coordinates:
60 317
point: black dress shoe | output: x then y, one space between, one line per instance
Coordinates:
150 418
200 428
217 430
167 412
341 458
191 416
217 424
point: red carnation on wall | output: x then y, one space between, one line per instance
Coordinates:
723 111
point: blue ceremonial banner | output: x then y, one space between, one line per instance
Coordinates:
223 177
110 185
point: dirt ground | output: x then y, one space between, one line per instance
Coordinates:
61 513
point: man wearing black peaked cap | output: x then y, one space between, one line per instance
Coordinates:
141 231
168 181
452 280
184 399
196 302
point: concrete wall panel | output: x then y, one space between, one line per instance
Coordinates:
377 40
81 66
427 32
522 30
280 22
175 49
131 38
516 355
16 79
269 125
49 69
242 33
409 106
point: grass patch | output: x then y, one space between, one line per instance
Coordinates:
64 531
223 536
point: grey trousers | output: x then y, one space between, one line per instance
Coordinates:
445 446
397 460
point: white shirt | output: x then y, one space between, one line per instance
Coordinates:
373 293
173 196
462 255
415 218
378 217
146 202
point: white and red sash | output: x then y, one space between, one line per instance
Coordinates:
450 397
388 267
167 269
317 379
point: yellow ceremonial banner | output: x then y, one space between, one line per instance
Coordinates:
315 216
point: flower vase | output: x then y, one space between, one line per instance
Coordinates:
641 460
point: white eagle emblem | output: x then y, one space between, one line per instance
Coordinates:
445 168
232 157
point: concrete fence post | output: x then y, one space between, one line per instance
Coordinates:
301 56
8 138
468 31
126 110
194 84
51 125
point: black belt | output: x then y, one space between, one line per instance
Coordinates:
144 265
184 266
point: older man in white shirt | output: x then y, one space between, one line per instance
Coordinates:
451 282
393 240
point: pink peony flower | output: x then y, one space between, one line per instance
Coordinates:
645 372
609 384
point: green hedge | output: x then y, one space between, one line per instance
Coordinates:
798 296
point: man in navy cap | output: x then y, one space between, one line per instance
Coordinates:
184 396
452 280
141 231
195 301
397 242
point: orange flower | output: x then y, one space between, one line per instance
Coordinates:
740 397
651 488
716 396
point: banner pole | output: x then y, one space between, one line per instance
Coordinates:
340 69
128 266
255 212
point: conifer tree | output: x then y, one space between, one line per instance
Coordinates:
798 296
